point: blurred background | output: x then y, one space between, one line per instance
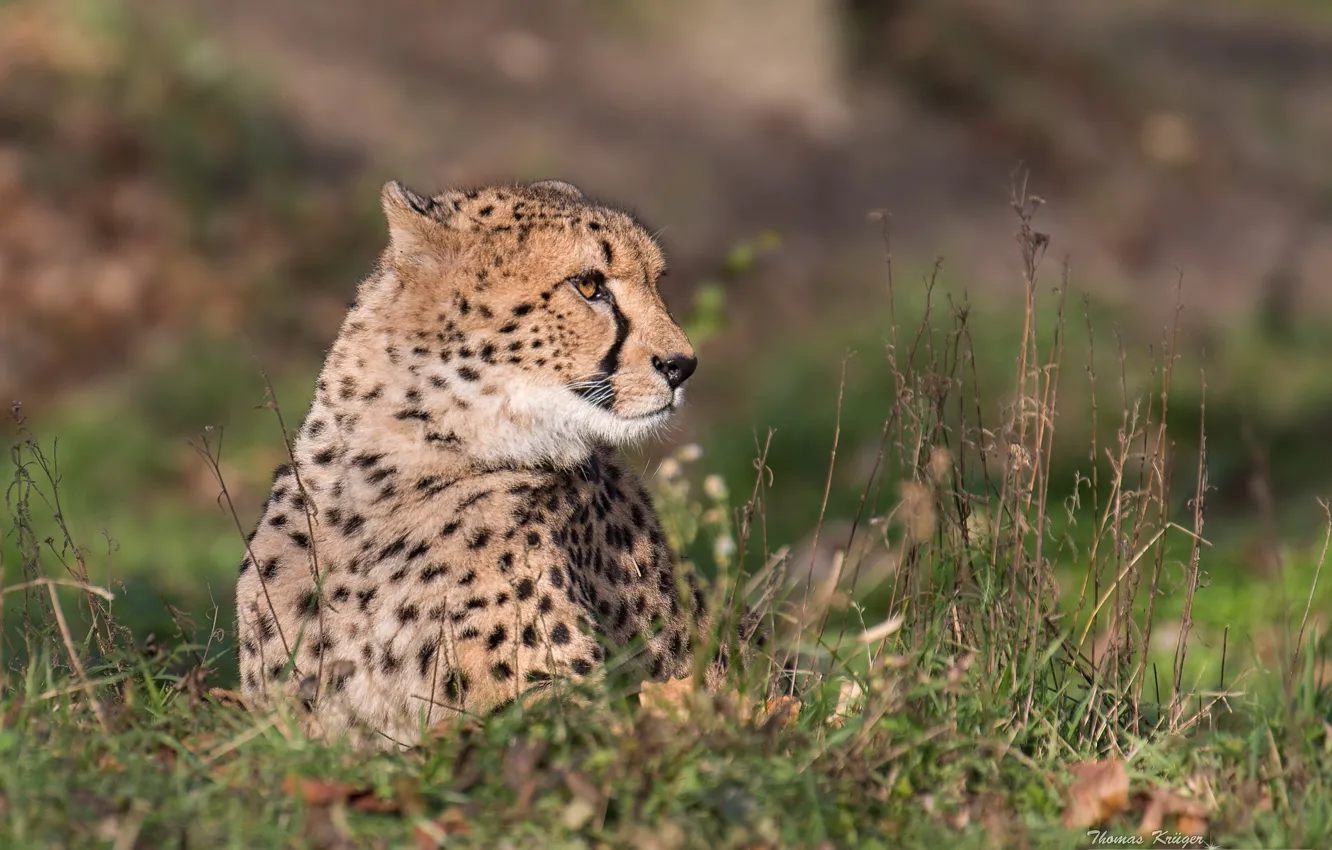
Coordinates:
189 195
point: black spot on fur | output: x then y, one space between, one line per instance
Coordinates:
397 547
457 686
525 589
425 657
308 605
433 572
449 439
412 413
270 568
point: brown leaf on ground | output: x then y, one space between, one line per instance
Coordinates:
672 698
1099 791
318 792
431 835
1190 815
370 804
519 771
325 829
321 792
228 699
780 713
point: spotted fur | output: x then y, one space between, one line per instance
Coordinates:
457 529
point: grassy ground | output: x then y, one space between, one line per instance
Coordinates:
1020 667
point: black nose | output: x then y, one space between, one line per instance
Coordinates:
676 368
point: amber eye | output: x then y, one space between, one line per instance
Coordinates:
589 284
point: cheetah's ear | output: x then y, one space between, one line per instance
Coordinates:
559 187
407 212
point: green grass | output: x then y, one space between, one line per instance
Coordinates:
966 734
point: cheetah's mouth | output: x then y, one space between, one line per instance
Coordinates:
665 410
673 404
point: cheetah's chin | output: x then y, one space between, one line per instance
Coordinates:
536 424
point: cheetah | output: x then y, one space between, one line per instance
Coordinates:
457 530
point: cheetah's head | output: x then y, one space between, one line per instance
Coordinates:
537 310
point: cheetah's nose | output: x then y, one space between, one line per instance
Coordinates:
676 369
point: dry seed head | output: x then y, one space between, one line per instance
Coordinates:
917 512
935 386
714 487
1018 457
723 549
941 463
689 453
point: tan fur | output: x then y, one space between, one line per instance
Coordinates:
457 528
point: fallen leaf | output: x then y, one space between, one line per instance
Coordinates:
325 829
672 698
322 793
1099 790
228 699
519 771
780 713
317 792
431 835
577 814
1190 826
582 787
1191 815
370 804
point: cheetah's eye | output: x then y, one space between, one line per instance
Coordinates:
589 284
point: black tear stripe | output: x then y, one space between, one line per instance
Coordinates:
610 363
